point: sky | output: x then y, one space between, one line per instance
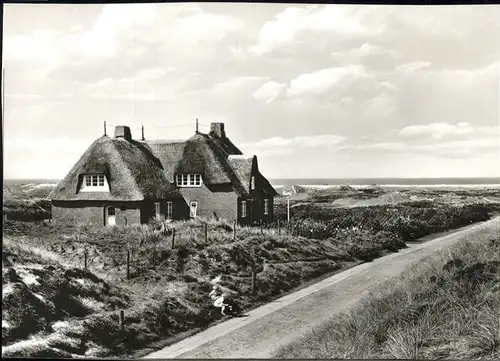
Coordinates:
319 91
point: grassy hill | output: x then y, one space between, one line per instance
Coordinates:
448 307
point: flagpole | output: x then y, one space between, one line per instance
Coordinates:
288 209
3 94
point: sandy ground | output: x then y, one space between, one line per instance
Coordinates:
265 328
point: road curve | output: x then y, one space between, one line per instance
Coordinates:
283 320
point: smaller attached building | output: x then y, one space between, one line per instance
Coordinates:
116 181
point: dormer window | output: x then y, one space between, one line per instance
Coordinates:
94 183
188 180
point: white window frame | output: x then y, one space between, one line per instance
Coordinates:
243 209
170 210
188 180
266 206
157 210
94 183
252 183
191 209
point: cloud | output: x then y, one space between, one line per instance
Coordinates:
269 91
280 145
329 20
323 80
441 141
236 83
436 130
123 31
441 130
269 71
411 68
390 146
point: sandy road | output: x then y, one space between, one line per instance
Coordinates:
281 321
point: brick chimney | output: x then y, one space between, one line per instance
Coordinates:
217 129
122 131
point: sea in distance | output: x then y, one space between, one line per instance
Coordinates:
391 182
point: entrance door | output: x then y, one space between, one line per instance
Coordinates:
193 209
110 216
157 210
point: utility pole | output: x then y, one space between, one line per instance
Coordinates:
104 127
197 126
142 129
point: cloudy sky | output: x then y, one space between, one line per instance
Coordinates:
313 91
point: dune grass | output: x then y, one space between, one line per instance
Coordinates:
168 289
447 307
167 292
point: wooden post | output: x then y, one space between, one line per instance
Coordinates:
206 232
122 320
254 277
234 230
173 238
128 264
261 229
279 228
85 259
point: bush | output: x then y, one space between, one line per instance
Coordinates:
409 221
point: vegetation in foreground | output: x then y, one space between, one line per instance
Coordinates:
166 294
446 308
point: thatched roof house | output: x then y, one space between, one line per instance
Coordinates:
121 181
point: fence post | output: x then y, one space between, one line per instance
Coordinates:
261 229
279 228
122 320
234 231
173 238
254 276
128 263
206 232
85 259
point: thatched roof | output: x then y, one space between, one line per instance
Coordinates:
226 144
202 153
169 153
217 159
242 167
132 171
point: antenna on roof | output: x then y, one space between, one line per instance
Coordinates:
197 126
142 128
105 128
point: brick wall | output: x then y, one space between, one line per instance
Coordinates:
92 213
219 200
126 215
179 209
71 213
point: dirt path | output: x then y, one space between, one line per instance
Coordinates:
283 320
